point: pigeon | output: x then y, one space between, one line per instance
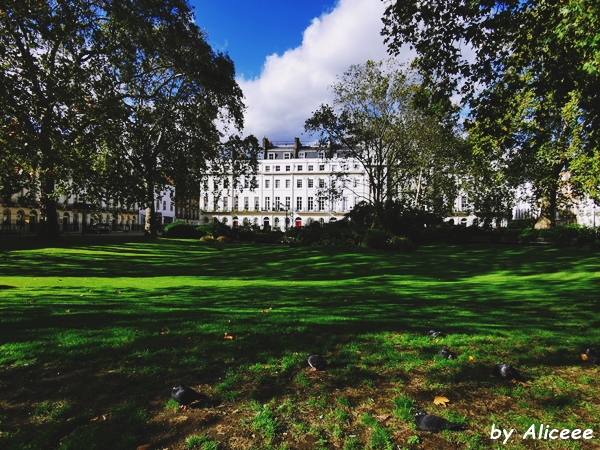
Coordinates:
435 424
317 362
507 372
435 334
592 354
447 354
185 396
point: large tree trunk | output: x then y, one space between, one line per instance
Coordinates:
50 228
547 217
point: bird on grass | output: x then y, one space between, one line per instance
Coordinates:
435 424
436 334
591 354
507 372
447 354
316 362
185 396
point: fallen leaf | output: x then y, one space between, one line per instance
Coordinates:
94 419
67 310
471 358
441 401
144 447
384 417
228 336
584 356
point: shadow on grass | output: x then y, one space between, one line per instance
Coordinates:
104 326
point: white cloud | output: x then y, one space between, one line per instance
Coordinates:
293 85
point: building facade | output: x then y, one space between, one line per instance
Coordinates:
290 189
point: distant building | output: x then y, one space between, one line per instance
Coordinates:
290 189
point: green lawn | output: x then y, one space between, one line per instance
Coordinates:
94 333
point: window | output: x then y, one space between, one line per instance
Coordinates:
157 205
355 181
277 168
321 167
267 203
356 167
288 168
298 203
299 183
226 183
311 182
321 203
300 168
310 203
246 183
311 168
267 184
277 203
256 204
287 203
321 183
287 184
164 205
225 203
267 168
300 154
344 203
246 203
287 156
215 184
333 167
321 155
271 156
277 184
171 206
236 203
206 202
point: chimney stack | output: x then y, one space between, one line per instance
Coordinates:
297 146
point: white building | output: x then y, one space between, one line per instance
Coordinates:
290 189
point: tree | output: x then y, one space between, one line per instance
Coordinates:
49 66
528 73
403 150
77 73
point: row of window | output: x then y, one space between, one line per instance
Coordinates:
299 183
288 155
310 167
278 205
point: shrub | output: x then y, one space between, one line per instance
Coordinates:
180 230
401 244
376 238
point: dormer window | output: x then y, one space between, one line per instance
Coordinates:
287 156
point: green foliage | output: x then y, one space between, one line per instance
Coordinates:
377 238
376 120
180 230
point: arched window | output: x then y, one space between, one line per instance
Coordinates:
6 217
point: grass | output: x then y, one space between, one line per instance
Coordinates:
95 331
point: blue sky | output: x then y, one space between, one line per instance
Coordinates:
251 30
288 52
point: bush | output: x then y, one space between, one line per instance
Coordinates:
400 244
180 230
376 238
